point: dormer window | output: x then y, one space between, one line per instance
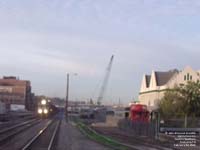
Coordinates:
184 77
188 76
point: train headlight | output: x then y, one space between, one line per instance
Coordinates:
46 111
39 111
43 102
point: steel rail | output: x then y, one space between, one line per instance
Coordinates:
16 126
35 138
54 135
5 137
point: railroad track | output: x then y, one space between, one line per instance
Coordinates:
45 138
8 133
130 141
14 121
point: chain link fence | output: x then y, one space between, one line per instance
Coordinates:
138 128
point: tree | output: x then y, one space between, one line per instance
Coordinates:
190 95
91 102
169 106
183 100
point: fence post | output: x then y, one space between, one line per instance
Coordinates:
157 126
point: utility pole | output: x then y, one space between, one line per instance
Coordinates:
67 97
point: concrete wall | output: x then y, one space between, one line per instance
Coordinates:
151 99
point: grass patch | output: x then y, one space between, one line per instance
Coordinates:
100 138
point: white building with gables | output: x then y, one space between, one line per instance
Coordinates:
154 86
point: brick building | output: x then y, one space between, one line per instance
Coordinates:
15 91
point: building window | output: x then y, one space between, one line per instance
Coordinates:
190 77
184 77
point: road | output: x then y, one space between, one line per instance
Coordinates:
70 138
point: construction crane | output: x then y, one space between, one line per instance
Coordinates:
105 81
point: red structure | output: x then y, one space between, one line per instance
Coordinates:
139 113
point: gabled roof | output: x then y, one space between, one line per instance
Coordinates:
163 77
148 79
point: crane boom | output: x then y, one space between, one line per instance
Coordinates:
105 81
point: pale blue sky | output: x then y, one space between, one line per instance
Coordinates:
41 40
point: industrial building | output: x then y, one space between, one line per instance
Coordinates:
16 92
155 85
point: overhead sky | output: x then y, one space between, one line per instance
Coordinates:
42 40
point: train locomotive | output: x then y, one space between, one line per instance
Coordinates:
46 109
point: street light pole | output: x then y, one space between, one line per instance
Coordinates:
67 96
